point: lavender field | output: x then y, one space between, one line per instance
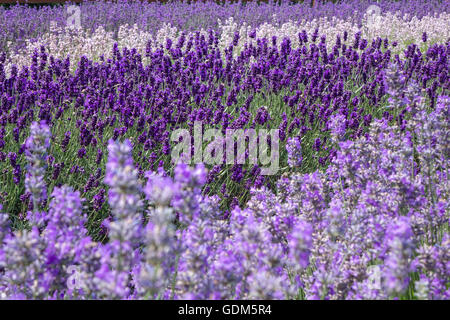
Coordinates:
225 151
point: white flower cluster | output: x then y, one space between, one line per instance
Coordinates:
61 42
404 30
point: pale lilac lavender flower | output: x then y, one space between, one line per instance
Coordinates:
156 272
294 151
37 145
397 266
300 243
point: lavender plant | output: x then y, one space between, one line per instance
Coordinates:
359 209
36 152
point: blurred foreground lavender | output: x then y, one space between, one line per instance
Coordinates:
383 202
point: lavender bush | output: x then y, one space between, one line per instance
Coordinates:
380 202
302 91
93 207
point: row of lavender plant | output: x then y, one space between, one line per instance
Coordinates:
21 23
383 202
61 42
268 85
